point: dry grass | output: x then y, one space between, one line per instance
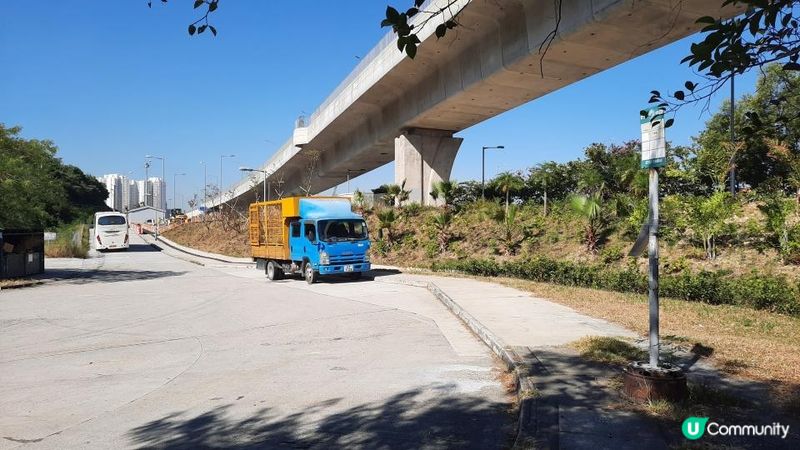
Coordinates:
65 247
608 350
211 237
753 344
17 282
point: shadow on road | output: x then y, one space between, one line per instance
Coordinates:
579 403
404 421
143 248
80 276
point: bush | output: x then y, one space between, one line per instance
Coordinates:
768 292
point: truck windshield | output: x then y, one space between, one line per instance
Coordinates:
342 230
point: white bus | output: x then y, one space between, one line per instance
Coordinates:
110 231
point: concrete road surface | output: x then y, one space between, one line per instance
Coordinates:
140 349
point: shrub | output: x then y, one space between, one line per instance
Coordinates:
768 292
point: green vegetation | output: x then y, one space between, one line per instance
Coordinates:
608 350
37 190
774 293
72 241
572 223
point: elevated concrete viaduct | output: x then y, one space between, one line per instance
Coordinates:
393 108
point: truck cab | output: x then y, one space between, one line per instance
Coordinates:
309 235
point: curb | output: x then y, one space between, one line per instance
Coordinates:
200 254
526 389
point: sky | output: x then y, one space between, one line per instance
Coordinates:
112 81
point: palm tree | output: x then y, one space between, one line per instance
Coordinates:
507 182
396 194
445 190
590 208
442 223
386 219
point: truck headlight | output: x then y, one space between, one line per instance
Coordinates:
324 258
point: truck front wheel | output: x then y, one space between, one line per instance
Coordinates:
274 272
309 274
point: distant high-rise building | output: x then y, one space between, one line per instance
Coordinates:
159 192
142 188
114 184
130 194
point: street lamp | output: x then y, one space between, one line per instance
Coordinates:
161 195
483 168
264 172
221 157
174 182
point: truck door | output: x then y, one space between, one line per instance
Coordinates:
296 242
310 242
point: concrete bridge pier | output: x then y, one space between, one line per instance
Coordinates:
423 157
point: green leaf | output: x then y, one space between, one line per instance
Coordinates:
669 123
192 29
213 6
679 95
213 30
392 14
690 86
791 66
201 29
412 12
411 50
441 30
197 3
386 23
706 19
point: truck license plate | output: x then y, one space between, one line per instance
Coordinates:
348 268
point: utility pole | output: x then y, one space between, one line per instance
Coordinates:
652 273
483 168
264 184
162 189
733 140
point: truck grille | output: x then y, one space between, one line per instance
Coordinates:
349 259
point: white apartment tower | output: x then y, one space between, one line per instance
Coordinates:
158 188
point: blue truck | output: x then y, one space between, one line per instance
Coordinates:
311 236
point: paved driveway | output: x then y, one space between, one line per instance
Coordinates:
140 349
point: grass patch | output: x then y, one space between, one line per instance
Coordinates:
17 282
65 246
703 400
608 350
766 349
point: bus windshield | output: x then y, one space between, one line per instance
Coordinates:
111 220
342 230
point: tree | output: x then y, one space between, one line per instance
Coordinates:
311 160
777 210
386 219
511 233
395 194
708 216
445 190
37 190
441 223
589 207
508 183
766 33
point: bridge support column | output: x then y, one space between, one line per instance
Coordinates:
423 157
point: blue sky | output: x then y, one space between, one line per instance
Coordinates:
111 81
